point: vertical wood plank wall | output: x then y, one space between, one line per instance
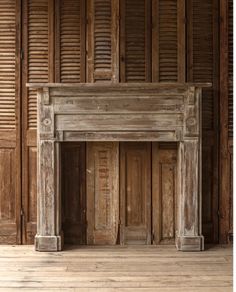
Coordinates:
117 41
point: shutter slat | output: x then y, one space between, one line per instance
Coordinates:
7 64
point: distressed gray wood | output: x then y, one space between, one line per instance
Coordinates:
120 112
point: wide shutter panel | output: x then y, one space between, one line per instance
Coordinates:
35 69
102 47
9 126
135 55
70 41
202 67
168 41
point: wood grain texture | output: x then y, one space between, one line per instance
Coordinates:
10 121
102 178
135 193
111 269
164 192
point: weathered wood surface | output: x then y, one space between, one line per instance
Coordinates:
135 193
102 180
108 269
135 114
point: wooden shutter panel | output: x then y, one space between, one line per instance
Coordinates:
230 69
168 41
70 41
135 40
102 192
103 48
203 67
164 187
135 193
9 124
35 69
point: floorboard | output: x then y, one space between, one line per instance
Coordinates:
108 269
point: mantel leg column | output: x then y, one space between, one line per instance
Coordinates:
189 232
48 236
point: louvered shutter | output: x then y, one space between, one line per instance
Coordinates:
9 126
70 41
203 67
36 70
168 41
103 48
135 41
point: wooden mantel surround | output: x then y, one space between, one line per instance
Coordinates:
119 112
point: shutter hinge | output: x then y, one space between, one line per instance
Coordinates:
22 212
21 54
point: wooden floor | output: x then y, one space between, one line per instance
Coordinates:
108 269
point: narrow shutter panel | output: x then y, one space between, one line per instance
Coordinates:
70 44
230 70
9 126
202 67
168 41
102 192
135 62
164 186
102 40
36 70
135 193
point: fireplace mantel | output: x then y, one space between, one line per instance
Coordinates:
119 112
